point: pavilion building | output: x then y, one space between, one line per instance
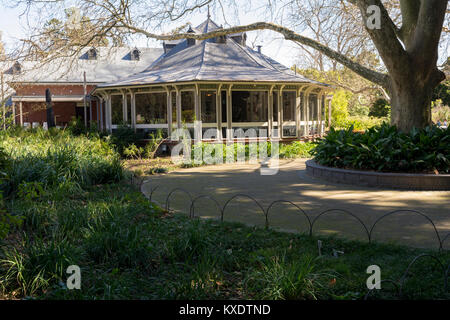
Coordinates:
218 85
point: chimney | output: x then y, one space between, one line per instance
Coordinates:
259 48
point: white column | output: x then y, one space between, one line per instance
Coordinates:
297 111
108 113
329 113
270 116
280 113
307 113
197 121
21 113
319 123
169 112
229 114
14 112
178 102
219 112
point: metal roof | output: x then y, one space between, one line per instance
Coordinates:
211 61
112 64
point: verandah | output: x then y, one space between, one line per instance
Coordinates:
223 111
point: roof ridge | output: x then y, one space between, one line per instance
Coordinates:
203 59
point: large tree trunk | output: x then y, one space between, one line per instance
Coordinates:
411 95
410 54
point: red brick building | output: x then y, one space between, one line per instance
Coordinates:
66 80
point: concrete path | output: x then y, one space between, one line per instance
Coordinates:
314 196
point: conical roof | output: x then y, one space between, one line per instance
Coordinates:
210 61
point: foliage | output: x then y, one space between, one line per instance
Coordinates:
440 112
124 137
7 221
153 144
127 143
133 152
127 248
442 92
360 123
296 149
247 152
40 159
380 109
339 104
280 279
385 148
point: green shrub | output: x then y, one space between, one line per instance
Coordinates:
296 149
384 148
7 221
124 137
360 123
439 112
339 106
380 109
281 279
50 158
37 265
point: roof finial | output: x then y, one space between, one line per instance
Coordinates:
209 15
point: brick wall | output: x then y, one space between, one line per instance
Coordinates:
58 90
63 111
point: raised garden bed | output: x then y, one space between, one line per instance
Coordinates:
408 181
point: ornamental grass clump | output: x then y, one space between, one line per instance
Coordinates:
384 148
55 157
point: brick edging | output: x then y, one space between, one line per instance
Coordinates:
408 181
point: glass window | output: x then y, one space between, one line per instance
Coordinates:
187 107
128 109
151 108
289 102
224 107
275 106
174 109
208 107
249 106
116 109
312 107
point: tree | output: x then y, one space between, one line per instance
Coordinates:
57 35
2 48
409 52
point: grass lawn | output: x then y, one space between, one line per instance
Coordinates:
65 201
127 248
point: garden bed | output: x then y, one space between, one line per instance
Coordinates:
408 181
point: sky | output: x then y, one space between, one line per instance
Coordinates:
13 27
13 24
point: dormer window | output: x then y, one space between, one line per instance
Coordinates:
221 39
190 42
16 68
135 54
92 54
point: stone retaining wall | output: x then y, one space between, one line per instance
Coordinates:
408 181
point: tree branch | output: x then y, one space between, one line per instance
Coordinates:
371 75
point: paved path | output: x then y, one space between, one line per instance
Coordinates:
312 195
